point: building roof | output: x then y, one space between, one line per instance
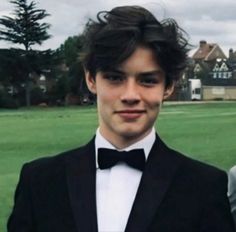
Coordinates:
208 51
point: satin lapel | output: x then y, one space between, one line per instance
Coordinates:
81 175
160 169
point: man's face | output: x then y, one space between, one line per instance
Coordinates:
129 98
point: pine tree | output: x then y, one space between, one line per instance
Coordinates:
24 28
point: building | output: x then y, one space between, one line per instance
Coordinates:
216 72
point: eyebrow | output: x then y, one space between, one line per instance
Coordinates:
141 74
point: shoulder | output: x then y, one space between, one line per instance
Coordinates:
232 171
190 166
232 178
199 173
201 168
56 163
189 169
204 181
192 174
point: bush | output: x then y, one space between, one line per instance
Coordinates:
37 96
7 101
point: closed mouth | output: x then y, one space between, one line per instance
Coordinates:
130 114
130 111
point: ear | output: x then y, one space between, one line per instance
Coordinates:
90 81
168 91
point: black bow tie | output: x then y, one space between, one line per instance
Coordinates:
107 158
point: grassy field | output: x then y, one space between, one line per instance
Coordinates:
205 132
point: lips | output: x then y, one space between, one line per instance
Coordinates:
130 114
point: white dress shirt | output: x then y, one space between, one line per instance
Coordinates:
116 187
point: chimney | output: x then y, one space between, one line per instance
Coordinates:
202 43
231 51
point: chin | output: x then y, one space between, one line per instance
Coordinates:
133 133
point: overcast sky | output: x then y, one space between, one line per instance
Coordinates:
210 20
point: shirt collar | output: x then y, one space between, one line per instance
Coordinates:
145 143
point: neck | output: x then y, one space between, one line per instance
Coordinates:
121 142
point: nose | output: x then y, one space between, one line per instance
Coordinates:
130 94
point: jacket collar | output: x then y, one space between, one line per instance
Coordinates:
81 181
158 175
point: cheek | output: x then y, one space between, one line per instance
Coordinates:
108 96
154 100
106 101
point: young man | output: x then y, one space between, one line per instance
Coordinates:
232 191
126 178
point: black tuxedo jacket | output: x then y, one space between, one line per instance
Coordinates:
176 194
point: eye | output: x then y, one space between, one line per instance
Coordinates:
114 77
151 79
148 80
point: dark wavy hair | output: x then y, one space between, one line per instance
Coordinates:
115 35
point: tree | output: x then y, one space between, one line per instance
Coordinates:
24 28
70 51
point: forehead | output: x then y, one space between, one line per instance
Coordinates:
141 60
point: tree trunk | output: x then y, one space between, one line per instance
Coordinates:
28 79
27 93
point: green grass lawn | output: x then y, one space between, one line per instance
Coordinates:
205 132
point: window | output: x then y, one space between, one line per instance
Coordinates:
197 91
224 67
197 68
216 68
